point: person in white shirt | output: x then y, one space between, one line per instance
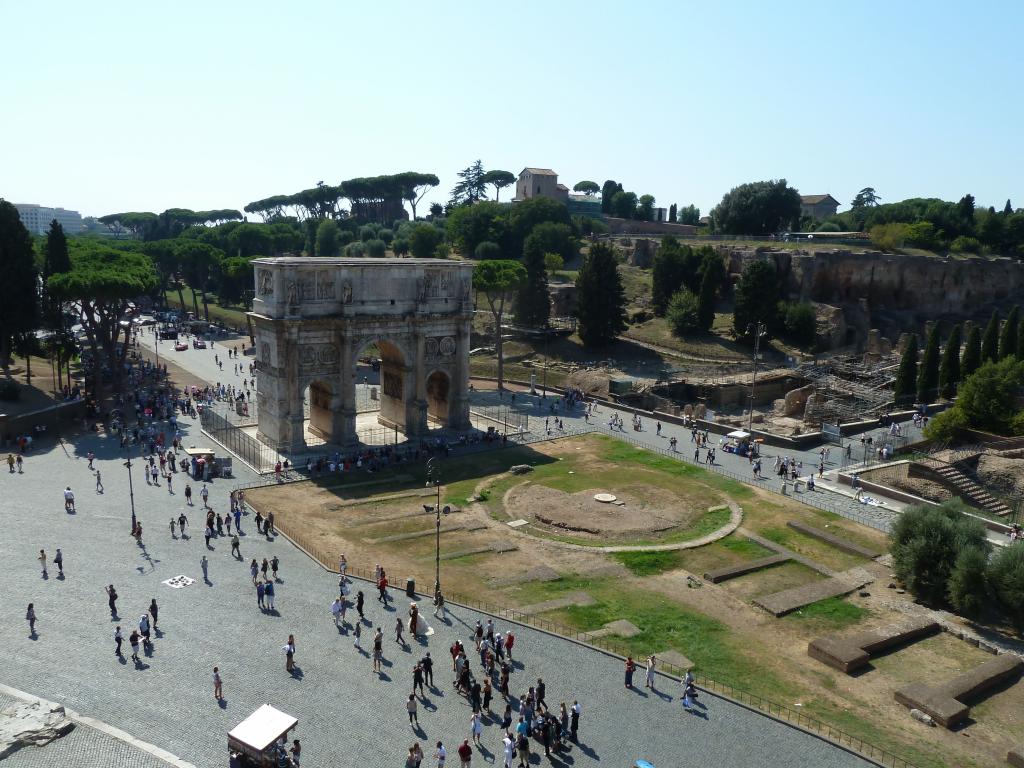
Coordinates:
440 754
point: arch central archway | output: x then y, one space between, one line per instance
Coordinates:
392 371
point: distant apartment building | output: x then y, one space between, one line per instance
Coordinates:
543 182
37 218
818 207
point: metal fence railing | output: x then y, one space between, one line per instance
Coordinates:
255 453
782 712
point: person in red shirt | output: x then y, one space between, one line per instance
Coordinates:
465 753
510 640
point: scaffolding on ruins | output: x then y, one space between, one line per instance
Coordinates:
846 389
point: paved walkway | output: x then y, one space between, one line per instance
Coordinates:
348 715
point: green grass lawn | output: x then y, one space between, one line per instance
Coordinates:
829 614
233 317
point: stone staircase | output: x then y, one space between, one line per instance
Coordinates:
964 487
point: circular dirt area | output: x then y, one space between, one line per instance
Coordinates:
638 511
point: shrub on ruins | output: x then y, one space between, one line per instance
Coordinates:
888 237
683 312
1006 575
968 590
799 322
926 542
964 244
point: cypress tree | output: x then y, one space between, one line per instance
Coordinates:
55 261
714 272
928 375
990 341
1008 336
1020 340
533 303
601 299
949 370
971 360
906 376
19 295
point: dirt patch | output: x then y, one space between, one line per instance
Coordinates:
658 511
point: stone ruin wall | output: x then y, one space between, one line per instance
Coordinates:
928 285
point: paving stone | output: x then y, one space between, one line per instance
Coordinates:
570 598
789 600
675 658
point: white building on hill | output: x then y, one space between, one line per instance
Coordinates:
37 218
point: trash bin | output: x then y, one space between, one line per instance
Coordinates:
410 587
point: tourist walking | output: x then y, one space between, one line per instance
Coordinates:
440 754
410 706
235 548
259 594
359 604
630 669
574 719
465 754
58 560
118 639
42 562
274 563
378 649
268 594
153 609
218 691
427 664
182 522
357 633
399 637
99 482
336 611
476 728
205 564
30 617
112 600
69 500
133 640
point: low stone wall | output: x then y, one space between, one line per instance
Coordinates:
944 703
724 574
52 418
844 545
848 653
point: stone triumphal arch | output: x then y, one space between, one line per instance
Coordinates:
313 316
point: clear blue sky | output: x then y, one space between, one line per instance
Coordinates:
111 106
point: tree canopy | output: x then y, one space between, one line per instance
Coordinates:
757 208
498 280
757 298
499 180
587 187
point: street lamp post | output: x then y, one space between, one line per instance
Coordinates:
759 330
433 476
131 492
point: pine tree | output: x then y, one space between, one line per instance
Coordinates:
990 341
533 303
949 370
971 360
906 376
1008 336
928 375
601 299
